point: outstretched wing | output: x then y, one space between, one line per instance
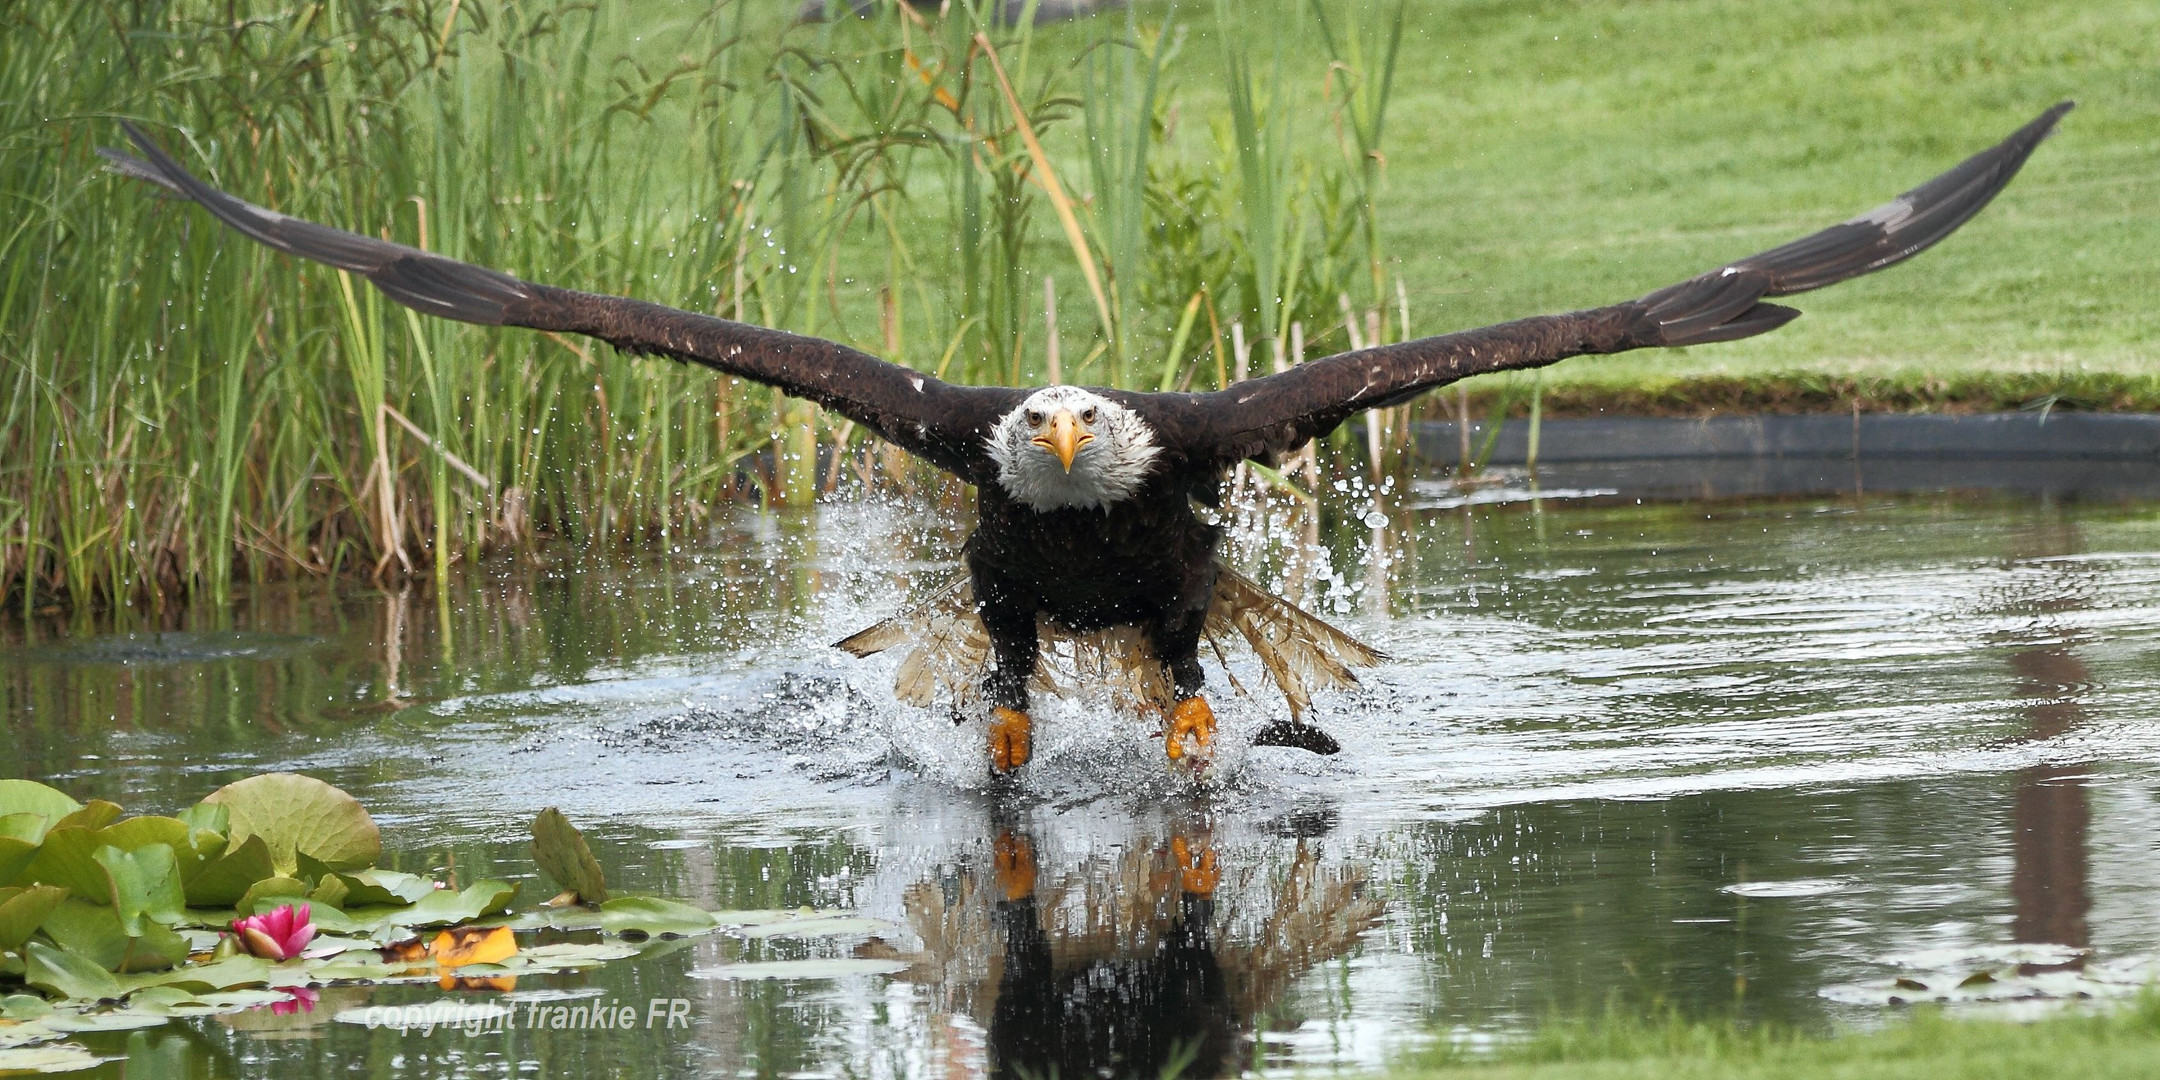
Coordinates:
942 422
1265 417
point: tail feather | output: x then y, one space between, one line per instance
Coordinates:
947 650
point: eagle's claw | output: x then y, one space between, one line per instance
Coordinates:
1012 738
1190 718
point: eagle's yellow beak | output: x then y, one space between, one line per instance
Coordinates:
1065 437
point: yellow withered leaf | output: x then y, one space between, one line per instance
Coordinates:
461 945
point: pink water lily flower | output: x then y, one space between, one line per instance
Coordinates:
278 934
302 1000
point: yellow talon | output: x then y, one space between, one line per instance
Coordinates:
1011 739
1190 717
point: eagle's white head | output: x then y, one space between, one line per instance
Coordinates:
1067 448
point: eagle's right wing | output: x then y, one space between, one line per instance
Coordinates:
1269 416
942 422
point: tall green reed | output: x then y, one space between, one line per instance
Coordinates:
184 411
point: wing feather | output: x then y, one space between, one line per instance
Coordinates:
942 422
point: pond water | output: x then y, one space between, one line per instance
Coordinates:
1746 758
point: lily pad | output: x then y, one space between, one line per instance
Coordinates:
269 893
225 879
66 974
22 910
1782 889
567 917
652 915
373 888
208 817
24 1007
817 926
835 968
295 813
572 955
564 857
64 859
137 832
221 974
20 835
442 906
56 1058
94 932
145 885
31 797
95 814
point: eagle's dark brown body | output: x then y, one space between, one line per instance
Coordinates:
1142 557
1148 561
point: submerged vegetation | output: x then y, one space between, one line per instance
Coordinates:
1140 199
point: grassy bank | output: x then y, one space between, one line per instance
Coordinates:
182 410
1925 1047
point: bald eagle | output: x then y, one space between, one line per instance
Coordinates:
1085 494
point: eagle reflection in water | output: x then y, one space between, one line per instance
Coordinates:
1156 960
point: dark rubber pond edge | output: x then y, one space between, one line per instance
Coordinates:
2065 454
2024 436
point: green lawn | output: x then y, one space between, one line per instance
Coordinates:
1555 154
1925 1047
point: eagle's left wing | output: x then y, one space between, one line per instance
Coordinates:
942 422
1270 416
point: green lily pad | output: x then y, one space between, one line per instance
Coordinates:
122 1019
23 1007
208 817
270 893
29 828
20 835
442 906
568 917
816 926
158 1002
56 1058
136 832
95 814
572 955
652 915
225 879
66 974
564 857
295 813
94 932
31 797
145 884
23 910
836 968
64 859
222 974
386 887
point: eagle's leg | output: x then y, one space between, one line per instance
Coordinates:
1190 731
1011 625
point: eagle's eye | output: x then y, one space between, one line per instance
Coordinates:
1034 418
1088 417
